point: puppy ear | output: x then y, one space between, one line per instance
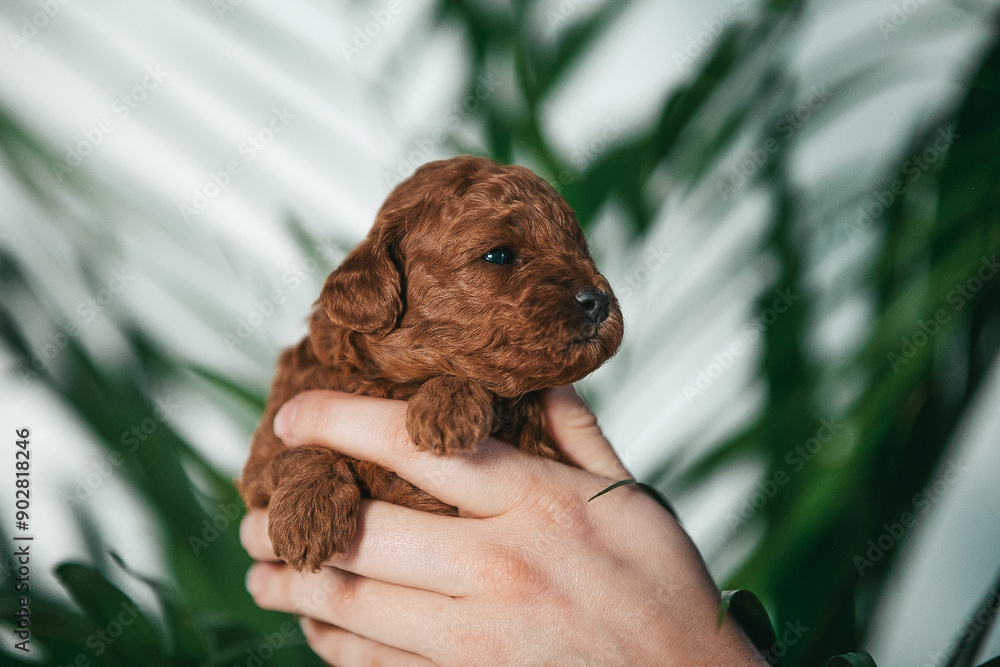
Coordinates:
365 292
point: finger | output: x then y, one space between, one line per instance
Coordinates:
393 544
486 482
337 646
392 615
254 538
574 427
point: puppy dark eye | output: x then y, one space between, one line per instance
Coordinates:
500 255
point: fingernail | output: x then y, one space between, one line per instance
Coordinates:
283 420
256 580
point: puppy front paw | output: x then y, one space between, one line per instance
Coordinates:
313 513
449 415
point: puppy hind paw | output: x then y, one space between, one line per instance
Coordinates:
449 415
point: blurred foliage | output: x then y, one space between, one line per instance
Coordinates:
933 238
815 564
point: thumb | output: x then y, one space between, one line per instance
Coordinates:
574 427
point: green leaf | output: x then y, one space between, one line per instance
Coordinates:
187 640
250 398
749 612
859 659
976 630
614 486
645 488
126 630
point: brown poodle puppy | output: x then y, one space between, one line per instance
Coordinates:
473 291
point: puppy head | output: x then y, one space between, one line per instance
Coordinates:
479 271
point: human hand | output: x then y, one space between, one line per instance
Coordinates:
530 574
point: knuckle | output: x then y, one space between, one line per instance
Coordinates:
579 416
312 415
398 439
326 596
504 570
344 590
564 512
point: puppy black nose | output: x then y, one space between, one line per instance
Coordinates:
595 304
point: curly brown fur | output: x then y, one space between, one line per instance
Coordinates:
416 312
